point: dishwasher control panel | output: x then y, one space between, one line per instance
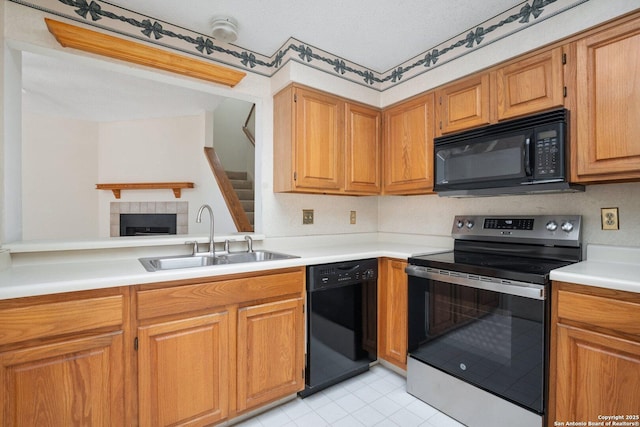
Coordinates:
341 273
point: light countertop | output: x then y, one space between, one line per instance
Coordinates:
68 275
606 267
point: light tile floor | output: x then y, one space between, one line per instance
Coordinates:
376 398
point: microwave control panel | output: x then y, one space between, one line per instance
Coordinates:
548 155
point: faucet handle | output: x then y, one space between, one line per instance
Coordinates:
194 250
226 245
249 243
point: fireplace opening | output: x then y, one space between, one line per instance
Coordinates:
147 224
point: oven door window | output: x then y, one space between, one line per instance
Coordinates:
492 340
500 160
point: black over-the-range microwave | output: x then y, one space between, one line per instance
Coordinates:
521 156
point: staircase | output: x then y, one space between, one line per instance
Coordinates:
237 208
244 189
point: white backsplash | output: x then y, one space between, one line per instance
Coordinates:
433 215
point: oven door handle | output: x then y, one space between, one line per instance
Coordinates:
511 287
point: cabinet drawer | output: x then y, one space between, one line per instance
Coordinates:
45 318
200 296
599 311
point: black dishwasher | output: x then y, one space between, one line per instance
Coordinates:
341 322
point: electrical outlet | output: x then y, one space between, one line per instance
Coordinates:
352 217
610 218
307 216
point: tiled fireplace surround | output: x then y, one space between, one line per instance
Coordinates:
181 209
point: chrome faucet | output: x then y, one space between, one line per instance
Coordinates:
249 243
212 248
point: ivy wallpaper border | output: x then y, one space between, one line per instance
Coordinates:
115 19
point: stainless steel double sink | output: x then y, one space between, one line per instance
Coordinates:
202 260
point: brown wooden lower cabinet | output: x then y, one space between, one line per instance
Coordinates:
392 312
70 383
62 360
190 353
595 348
211 350
270 352
183 368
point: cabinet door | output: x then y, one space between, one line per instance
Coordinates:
318 140
597 374
530 85
408 147
183 368
77 382
362 150
464 104
392 312
270 352
607 146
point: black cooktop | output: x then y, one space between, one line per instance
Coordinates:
521 248
520 268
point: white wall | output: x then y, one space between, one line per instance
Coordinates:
159 150
64 159
59 174
25 29
10 159
281 213
230 142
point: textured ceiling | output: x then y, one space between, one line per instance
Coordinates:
377 34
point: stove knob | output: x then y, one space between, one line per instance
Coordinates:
469 224
552 226
567 226
460 223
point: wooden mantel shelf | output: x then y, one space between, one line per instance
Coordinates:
175 186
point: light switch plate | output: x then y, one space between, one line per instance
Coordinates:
352 217
609 217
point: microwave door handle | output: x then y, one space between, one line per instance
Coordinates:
527 156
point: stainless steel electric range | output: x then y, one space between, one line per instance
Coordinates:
478 317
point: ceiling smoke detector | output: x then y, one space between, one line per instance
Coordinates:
224 28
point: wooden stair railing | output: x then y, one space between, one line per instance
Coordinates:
245 127
238 214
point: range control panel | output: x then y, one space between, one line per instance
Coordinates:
561 230
341 273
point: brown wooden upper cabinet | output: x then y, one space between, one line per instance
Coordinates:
408 146
363 150
325 144
606 144
464 104
524 86
530 85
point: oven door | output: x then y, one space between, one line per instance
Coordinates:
488 333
